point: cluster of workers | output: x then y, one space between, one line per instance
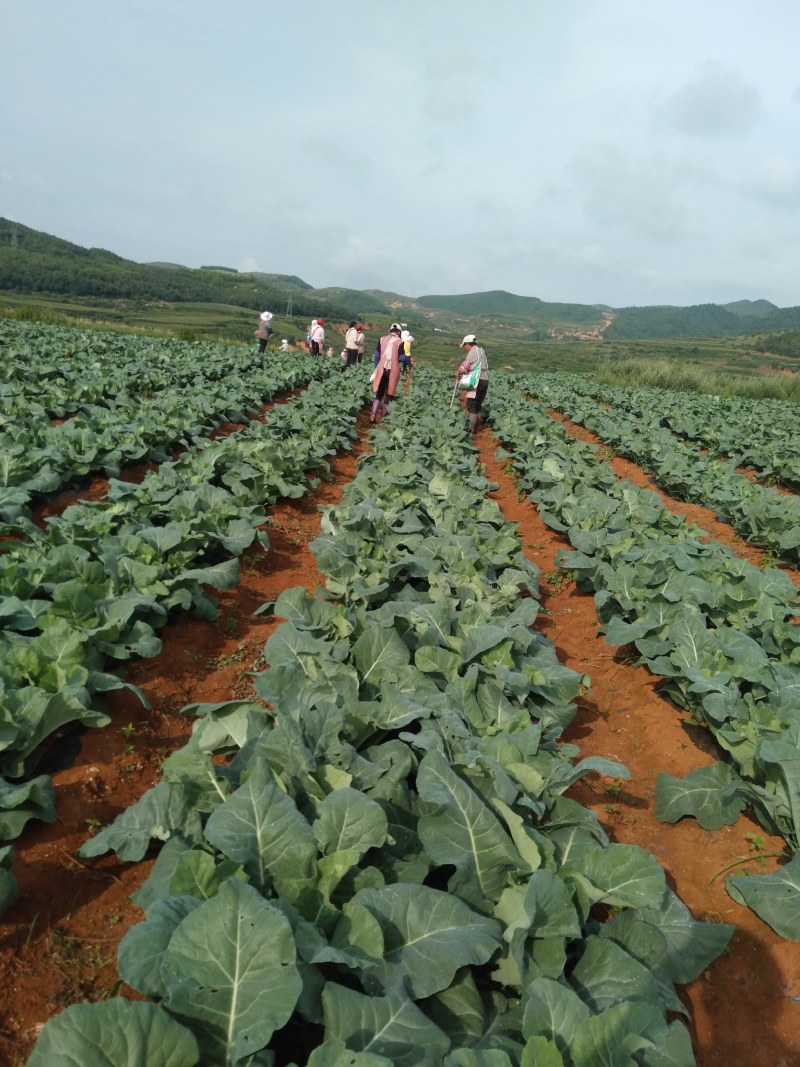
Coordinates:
392 358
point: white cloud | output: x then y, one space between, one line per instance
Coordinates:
716 102
776 182
623 153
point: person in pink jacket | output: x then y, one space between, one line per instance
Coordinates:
387 371
475 397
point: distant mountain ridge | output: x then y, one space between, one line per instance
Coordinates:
32 261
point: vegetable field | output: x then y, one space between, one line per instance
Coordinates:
324 743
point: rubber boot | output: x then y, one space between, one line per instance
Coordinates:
373 415
385 409
473 423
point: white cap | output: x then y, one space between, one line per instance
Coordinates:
266 316
470 339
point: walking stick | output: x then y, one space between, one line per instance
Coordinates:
455 390
408 378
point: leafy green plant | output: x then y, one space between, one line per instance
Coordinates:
392 867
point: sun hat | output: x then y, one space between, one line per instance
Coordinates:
470 339
266 316
407 335
395 328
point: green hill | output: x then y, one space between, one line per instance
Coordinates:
699 320
32 262
747 308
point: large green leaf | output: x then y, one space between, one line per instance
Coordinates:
260 827
622 875
8 883
710 794
606 974
544 908
428 935
198 874
552 1010
230 967
160 813
19 802
691 945
142 948
115 1033
468 1057
390 1026
336 1054
379 653
347 819
611 1038
463 831
774 897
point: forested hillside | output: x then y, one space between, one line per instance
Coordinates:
499 302
35 262
699 320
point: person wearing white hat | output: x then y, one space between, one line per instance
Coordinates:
351 344
387 371
284 345
360 341
475 397
264 332
405 356
317 337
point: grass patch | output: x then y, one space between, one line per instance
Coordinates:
682 376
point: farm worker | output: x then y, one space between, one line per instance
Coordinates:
351 345
264 331
317 337
405 356
284 345
387 371
360 341
475 397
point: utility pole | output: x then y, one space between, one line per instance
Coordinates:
289 308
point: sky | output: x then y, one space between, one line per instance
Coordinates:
620 152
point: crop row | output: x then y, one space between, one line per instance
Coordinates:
719 632
92 589
49 372
762 515
390 873
762 434
37 457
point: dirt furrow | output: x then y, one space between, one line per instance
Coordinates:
705 518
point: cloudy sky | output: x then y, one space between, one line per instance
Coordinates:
599 151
